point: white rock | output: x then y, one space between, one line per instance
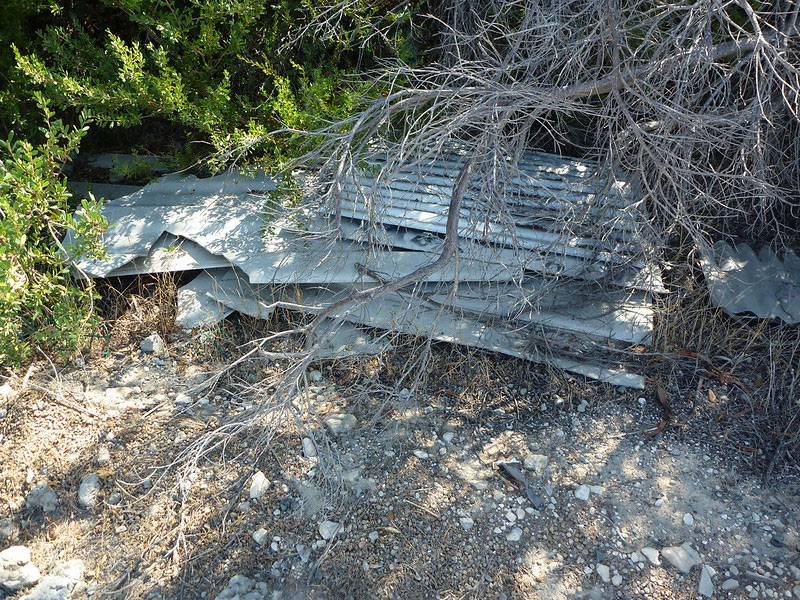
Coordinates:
42 496
8 528
536 463
88 490
304 552
705 587
59 583
582 493
103 456
682 557
5 391
795 571
260 536
617 579
604 573
729 584
448 436
309 449
514 535
339 423
688 519
466 523
652 555
373 536
510 516
181 398
153 344
259 485
328 529
17 572
315 376
421 454
241 588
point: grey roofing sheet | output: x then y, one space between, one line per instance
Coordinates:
618 316
215 294
469 321
412 317
196 308
221 218
647 277
219 213
217 222
605 216
169 254
741 280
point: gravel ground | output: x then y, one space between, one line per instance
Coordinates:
421 505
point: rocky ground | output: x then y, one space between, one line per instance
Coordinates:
545 488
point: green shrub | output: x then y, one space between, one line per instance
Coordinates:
40 306
226 72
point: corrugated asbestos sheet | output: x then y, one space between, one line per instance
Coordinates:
741 280
549 195
539 294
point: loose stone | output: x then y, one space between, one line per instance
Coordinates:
88 490
683 557
603 571
259 485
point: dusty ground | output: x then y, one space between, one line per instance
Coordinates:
417 507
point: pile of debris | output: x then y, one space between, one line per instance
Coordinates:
519 285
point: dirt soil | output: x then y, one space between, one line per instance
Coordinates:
408 499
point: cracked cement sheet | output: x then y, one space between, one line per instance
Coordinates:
741 280
196 308
548 194
221 216
170 254
647 278
412 317
220 213
399 312
620 315
229 289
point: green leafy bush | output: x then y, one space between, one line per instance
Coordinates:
225 72
40 306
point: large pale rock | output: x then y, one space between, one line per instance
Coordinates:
328 529
58 584
652 555
340 423
536 463
259 485
683 557
88 490
17 572
153 344
243 588
706 586
42 496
